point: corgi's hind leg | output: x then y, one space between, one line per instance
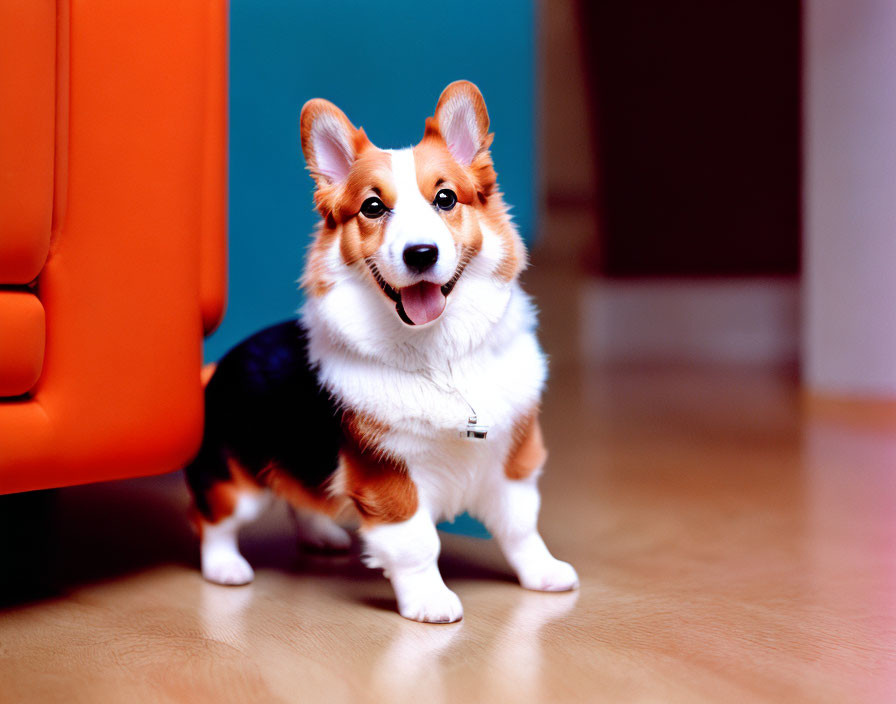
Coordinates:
226 498
319 531
219 551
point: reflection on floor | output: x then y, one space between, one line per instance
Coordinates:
732 545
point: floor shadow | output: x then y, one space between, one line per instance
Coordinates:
470 566
53 542
379 603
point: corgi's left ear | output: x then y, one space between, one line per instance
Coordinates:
462 120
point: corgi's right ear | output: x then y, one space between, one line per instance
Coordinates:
329 141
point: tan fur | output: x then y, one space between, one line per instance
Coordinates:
340 204
365 432
378 484
481 169
528 452
494 214
298 495
381 488
359 237
222 496
315 280
437 169
370 175
489 204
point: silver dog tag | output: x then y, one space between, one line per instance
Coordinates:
474 431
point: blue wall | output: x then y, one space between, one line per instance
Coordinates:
384 64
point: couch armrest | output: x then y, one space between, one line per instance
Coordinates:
213 229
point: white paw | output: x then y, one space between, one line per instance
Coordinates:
433 606
549 576
228 569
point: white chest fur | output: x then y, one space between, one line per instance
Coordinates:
425 408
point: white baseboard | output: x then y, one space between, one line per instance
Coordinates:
727 321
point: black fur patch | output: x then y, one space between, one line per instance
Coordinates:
264 404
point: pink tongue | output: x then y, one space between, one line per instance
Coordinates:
423 302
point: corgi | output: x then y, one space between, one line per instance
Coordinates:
409 386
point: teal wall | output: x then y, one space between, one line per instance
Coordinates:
384 64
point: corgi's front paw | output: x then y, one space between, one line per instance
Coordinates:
549 575
431 606
228 569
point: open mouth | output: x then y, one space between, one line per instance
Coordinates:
422 302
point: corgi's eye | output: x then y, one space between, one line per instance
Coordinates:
445 199
373 208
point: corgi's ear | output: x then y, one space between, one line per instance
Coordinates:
462 120
329 141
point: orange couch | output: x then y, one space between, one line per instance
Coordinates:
112 233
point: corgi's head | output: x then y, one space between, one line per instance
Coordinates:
410 239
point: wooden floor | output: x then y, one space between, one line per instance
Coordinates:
734 545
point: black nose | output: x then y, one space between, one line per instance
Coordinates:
420 257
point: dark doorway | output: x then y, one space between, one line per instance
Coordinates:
698 118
